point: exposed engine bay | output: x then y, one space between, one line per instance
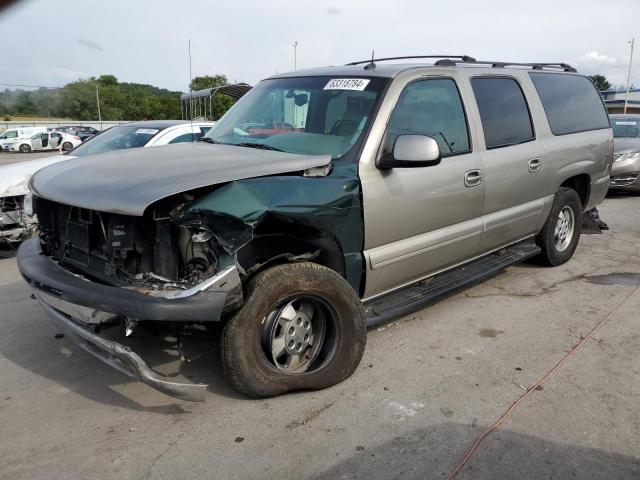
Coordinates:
126 251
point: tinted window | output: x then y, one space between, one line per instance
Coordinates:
503 111
433 108
571 102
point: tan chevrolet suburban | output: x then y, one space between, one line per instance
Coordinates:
316 207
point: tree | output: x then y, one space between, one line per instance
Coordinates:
220 103
601 82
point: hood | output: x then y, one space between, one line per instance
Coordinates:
621 144
14 178
128 181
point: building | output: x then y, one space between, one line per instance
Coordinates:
614 100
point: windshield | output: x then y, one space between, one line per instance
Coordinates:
626 127
307 115
116 138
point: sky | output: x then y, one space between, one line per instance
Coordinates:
50 43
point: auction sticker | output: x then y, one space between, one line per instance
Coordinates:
626 123
347 84
147 131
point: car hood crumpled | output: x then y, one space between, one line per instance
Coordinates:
14 178
128 181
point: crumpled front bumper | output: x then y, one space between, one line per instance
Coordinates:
77 305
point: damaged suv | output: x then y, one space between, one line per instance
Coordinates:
324 202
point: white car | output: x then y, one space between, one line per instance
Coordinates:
13 135
46 141
15 221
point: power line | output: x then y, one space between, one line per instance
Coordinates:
29 86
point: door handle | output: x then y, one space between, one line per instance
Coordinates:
473 178
535 164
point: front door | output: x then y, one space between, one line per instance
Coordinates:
422 220
37 141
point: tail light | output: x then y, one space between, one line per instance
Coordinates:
76 137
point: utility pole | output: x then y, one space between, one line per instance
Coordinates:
626 97
295 55
98 102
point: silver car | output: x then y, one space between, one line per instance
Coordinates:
324 202
625 172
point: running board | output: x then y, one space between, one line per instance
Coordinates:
424 292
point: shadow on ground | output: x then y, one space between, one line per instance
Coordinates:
434 452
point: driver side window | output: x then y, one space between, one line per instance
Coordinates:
431 107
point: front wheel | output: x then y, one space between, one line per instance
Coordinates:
302 327
559 237
66 146
24 148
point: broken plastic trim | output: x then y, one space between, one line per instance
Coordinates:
123 359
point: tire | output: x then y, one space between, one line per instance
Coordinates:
251 338
24 148
66 146
556 248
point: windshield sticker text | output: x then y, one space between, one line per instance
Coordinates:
147 131
358 84
626 123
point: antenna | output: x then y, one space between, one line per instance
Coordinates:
371 64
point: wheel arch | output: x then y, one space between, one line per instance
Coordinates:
581 184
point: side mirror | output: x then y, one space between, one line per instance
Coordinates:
411 151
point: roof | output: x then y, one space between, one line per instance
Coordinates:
623 116
235 90
390 70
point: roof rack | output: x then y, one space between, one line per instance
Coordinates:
453 60
535 66
371 63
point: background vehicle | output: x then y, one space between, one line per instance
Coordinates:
625 172
318 205
16 225
46 141
12 135
84 133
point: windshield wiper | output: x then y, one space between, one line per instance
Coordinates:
258 145
208 140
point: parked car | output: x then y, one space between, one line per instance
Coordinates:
84 133
298 238
13 135
15 225
625 172
46 141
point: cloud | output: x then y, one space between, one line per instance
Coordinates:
89 44
614 68
334 10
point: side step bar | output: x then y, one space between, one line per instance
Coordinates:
424 292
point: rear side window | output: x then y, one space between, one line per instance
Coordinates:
503 111
431 107
185 137
571 102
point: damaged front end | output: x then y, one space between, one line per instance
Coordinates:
15 222
93 271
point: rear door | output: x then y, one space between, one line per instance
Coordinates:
514 160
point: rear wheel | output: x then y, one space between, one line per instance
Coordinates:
66 146
302 327
559 237
25 148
